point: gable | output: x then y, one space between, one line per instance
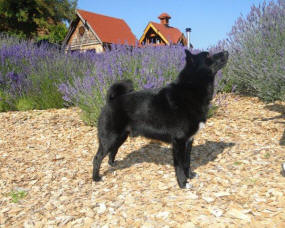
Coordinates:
167 34
80 35
149 31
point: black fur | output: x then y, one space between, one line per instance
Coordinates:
171 114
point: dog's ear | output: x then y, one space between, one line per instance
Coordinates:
189 57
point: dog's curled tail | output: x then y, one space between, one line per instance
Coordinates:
119 88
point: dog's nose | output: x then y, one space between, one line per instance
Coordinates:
226 54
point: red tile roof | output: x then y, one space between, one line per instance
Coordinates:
109 29
170 33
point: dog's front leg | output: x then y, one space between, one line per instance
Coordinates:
187 163
179 150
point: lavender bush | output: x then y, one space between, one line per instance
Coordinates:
30 75
44 77
148 67
257 46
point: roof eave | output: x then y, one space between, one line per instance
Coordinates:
69 33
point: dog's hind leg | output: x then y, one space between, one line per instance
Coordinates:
110 145
97 160
114 149
179 150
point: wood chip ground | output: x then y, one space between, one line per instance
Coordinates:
237 156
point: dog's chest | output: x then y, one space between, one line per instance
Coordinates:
200 127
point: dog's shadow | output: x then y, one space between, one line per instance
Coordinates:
154 153
281 109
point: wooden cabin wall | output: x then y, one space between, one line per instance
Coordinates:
85 42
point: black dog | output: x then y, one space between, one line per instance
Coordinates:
171 114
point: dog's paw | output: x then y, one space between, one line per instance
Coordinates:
182 182
97 178
185 185
189 174
112 163
188 185
192 175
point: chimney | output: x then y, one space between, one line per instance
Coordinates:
188 31
164 19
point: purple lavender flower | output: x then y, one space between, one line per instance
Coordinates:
13 76
256 45
149 85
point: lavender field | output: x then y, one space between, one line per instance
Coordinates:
44 77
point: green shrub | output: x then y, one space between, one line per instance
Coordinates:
4 106
24 104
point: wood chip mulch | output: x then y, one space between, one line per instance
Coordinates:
47 155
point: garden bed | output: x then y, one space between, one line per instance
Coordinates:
46 164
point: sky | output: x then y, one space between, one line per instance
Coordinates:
210 20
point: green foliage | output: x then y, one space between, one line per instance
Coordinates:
267 155
57 33
212 111
48 96
4 106
24 104
90 105
237 163
16 196
89 118
33 18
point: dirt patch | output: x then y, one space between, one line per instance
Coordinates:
46 164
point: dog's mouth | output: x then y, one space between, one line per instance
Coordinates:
220 60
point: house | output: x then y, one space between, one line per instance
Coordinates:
162 33
91 31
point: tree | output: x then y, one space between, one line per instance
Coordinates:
37 19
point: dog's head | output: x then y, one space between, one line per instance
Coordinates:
200 70
205 62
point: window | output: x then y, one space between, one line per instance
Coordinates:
81 30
